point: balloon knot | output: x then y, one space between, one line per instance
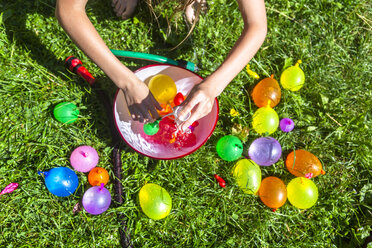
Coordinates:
274 209
40 172
272 76
298 62
322 172
309 175
102 184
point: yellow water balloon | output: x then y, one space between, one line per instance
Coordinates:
248 175
302 192
293 78
163 88
155 201
265 120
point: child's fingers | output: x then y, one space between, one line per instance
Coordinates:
196 115
144 113
155 103
187 106
153 112
119 8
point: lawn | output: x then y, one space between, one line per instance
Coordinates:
332 113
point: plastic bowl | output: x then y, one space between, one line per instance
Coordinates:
132 131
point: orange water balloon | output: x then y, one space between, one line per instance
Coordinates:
302 163
97 176
266 92
273 192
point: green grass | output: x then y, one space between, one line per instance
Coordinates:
332 115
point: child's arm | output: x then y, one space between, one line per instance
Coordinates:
72 17
202 96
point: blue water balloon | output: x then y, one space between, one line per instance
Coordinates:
61 181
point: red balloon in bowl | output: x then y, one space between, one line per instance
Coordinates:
178 99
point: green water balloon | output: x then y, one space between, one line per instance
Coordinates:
302 192
151 128
155 201
229 148
66 112
247 175
293 78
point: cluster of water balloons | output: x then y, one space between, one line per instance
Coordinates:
265 151
266 95
62 181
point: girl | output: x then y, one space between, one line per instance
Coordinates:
141 103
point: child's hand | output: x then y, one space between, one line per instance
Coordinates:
200 101
141 102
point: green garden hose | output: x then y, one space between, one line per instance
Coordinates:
152 57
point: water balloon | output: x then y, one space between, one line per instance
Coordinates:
301 162
151 128
66 112
293 78
178 99
155 201
97 176
229 148
286 125
84 158
265 120
247 175
302 192
96 200
265 151
252 73
9 188
267 92
163 88
61 181
273 192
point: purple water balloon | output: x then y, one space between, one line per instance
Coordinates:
286 125
96 200
84 158
265 151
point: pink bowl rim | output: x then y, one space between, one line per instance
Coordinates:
170 158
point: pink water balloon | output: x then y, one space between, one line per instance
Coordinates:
9 189
84 158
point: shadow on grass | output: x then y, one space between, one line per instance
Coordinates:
15 21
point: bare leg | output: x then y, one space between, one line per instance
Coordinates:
124 8
191 10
